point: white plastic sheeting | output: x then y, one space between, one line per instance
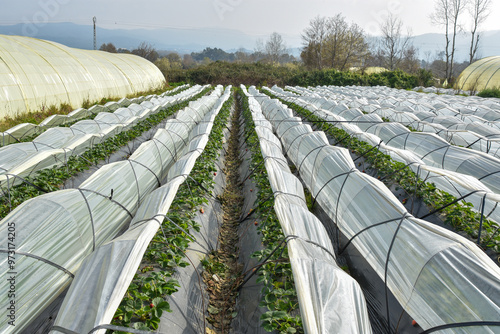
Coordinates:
104 277
55 232
330 300
471 122
436 90
36 73
56 145
437 276
420 151
25 130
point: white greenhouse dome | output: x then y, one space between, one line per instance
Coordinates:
36 73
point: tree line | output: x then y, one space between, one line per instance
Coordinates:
333 43
456 16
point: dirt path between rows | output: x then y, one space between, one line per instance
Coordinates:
222 272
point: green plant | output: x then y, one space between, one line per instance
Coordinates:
51 179
279 294
458 215
167 250
35 117
490 92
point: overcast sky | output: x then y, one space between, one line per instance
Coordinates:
256 17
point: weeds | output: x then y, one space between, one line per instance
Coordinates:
490 92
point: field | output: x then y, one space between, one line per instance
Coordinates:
203 209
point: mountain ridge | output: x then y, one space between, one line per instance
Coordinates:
195 40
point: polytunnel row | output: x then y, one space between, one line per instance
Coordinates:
55 232
409 100
461 126
439 277
461 121
437 90
19 132
420 152
330 300
97 288
56 145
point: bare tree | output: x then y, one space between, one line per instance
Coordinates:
146 50
447 13
394 44
355 48
479 11
275 48
441 17
314 37
241 56
110 47
457 7
333 42
409 61
259 50
427 59
338 33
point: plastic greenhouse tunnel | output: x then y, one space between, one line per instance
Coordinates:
284 210
441 279
56 233
429 157
330 300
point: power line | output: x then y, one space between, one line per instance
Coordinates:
95 40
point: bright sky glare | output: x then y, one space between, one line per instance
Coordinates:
257 17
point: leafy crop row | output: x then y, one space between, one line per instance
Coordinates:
144 302
459 215
35 117
51 179
65 109
279 294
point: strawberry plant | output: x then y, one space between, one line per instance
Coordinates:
51 179
459 215
279 294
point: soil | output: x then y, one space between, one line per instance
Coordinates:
224 275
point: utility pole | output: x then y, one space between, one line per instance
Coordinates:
95 41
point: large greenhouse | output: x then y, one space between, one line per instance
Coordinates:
480 75
36 73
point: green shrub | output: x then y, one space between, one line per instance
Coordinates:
259 74
490 92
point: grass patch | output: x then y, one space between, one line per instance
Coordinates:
36 117
490 92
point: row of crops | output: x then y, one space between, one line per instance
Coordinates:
424 258
325 292
27 131
55 232
126 248
435 157
57 145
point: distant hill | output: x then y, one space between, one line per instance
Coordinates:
489 44
195 40
180 40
